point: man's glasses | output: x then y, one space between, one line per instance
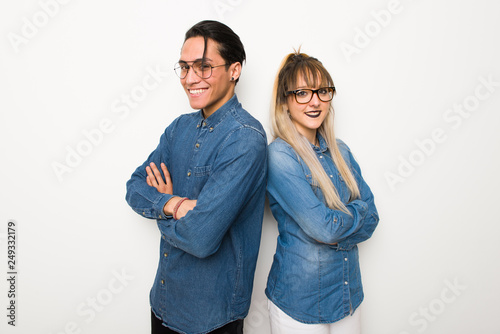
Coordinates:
303 96
201 68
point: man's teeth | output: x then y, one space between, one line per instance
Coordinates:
196 91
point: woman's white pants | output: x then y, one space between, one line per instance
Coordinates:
281 323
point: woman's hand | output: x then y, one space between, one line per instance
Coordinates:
154 179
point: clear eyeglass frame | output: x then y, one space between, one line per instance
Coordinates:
201 68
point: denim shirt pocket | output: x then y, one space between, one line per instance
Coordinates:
201 173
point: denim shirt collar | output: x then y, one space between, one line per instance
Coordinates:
216 118
322 144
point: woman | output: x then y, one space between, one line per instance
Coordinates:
322 205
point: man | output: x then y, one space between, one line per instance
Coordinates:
205 186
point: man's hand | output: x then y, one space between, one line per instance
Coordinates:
154 178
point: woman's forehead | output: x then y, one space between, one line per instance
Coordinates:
307 78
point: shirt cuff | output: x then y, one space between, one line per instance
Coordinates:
342 246
158 207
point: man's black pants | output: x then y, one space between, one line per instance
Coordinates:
235 327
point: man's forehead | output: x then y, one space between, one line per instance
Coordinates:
194 47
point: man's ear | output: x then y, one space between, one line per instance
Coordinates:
235 71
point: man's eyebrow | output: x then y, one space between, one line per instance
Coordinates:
193 61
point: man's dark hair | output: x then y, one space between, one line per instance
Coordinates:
229 44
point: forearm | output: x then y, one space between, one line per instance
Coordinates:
336 224
371 220
146 200
178 207
370 223
235 180
142 197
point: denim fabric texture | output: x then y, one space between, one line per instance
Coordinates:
315 276
207 258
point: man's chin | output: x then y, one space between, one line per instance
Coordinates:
196 105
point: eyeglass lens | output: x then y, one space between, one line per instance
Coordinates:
305 95
202 69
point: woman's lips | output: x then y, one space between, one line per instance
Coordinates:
313 114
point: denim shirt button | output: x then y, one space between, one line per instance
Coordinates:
211 129
335 219
321 157
345 283
162 282
197 145
189 174
165 254
345 259
163 237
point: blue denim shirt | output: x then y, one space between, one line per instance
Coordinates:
207 258
312 280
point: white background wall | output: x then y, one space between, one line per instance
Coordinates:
418 103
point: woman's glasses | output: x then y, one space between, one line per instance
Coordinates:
303 96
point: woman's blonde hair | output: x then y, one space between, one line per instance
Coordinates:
294 66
